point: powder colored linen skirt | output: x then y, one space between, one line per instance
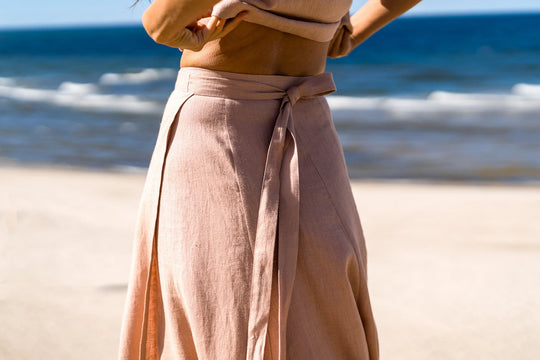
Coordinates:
248 241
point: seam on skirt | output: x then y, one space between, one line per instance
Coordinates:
241 209
343 227
353 243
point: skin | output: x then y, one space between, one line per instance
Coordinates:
238 46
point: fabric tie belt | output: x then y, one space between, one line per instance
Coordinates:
280 192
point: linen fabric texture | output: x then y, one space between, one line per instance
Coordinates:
248 242
317 20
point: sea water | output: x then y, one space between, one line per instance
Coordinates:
425 98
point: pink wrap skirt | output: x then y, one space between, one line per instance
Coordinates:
248 242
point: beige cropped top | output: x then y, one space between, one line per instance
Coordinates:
318 20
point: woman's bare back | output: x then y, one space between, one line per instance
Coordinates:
256 49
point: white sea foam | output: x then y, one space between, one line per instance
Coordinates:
77 88
6 81
144 76
129 169
522 98
83 97
527 90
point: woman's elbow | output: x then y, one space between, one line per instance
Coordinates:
153 28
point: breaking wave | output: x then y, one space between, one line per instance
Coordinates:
137 78
522 98
82 96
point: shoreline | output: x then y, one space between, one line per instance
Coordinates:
139 170
451 267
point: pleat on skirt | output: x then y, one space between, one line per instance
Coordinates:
248 242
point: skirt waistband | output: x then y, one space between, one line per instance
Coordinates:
240 86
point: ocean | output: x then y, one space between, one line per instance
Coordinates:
453 98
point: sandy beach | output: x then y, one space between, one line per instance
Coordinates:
454 269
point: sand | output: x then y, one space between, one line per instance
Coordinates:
454 270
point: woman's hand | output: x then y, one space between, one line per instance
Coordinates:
186 24
342 43
194 36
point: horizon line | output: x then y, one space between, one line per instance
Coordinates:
129 23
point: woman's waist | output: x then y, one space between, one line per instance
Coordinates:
256 49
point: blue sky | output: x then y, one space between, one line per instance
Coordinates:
31 13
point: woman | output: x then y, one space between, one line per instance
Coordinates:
248 242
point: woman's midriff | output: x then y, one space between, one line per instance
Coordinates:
256 49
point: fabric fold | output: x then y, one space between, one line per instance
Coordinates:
285 16
136 312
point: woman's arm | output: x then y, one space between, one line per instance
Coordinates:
374 15
177 23
371 17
